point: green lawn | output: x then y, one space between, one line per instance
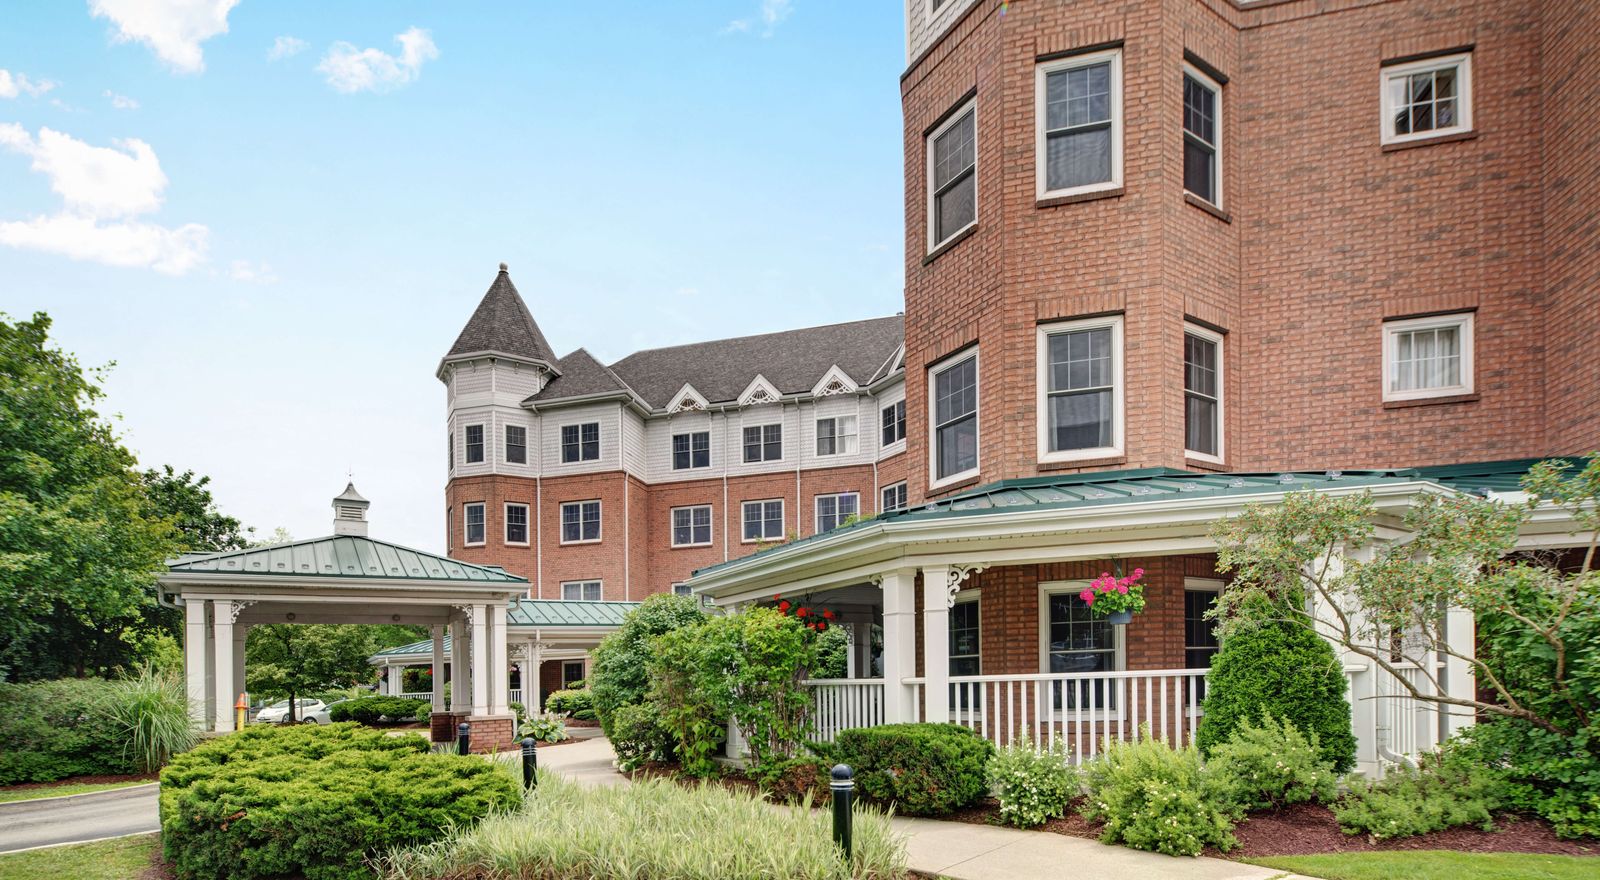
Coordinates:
124 858
28 794
1433 865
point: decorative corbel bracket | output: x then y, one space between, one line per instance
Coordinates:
959 573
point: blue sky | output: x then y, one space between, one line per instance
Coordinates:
276 247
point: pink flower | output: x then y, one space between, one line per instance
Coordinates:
1138 572
1122 588
1087 596
1105 574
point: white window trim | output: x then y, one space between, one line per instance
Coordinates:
762 426
1391 332
582 666
743 505
838 450
672 525
579 583
1462 61
1042 389
974 595
483 443
677 584
562 522
816 508
1041 157
466 507
1222 423
1216 91
527 523
1119 649
599 449
505 437
934 480
672 452
957 115
897 484
887 449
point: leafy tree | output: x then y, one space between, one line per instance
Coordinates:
186 500
79 546
618 675
292 660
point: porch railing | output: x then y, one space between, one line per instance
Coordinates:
842 703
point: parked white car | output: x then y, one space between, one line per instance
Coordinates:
322 715
305 711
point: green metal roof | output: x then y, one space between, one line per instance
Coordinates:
532 614
423 648
1495 476
343 556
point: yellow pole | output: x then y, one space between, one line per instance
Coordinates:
239 710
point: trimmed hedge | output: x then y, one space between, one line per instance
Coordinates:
368 710
51 730
926 769
272 801
577 704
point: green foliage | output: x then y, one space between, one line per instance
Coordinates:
794 780
151 711
545 728
1154 797
316 801
1032 785
1549 775
370 710
51 730
1284 670
684 693
1271 765
653 830
575 704
288 660
617 675
925 769
638 737
185 499
833 653
1434 865
1445 790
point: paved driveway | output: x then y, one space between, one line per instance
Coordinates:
78 818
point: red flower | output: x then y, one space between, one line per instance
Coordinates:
822 625
828 614
784 605
802 612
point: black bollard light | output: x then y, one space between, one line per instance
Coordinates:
844 793
530 763
463 738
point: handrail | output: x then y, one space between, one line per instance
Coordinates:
1065 676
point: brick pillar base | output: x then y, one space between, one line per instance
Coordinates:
442 726
493 733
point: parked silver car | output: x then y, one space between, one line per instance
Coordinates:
305 711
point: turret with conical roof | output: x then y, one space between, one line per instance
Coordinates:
502 326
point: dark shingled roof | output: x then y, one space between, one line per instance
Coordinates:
581 376
503 323
793 361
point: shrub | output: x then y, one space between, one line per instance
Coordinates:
925 769
1271 765
1032 785
653 830
545 728
638 737
1284 670
684 698
369 710
151 710
51 730
576 704
1443 791
794 780
1154 797
1554 777
618 676
316 801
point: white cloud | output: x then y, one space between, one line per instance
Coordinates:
286 47
772 14
259 273
173 29
103 190
14 84
121 102
349 69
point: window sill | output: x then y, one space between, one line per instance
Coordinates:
1430 141
892 450
1431 401
767 542
470 544
518 544
1073 199
692 546
1207 207
1205 464
1081 463
578 543
953 485
951 242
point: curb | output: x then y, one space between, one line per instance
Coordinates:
63 799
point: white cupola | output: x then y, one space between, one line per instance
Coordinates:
350 512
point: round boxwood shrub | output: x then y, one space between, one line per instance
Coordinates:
316 801
1284 670
576 704
370 710
926 769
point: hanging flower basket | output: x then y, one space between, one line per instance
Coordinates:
1118 598
813 618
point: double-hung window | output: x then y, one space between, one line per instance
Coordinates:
473 523
474 444
516 523
833 510
1202 136
1427 357
1078 112
692 450
1080 394
1202 393
952 176
1078 640
580 442
580 522
691 526
894 497
682 590
763 443
763 520
516 444
580 591
452 452
1199 632
894 423
953 386
836 435
572 670
1427 98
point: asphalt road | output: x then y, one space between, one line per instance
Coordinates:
79 818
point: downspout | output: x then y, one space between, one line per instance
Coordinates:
799 460
627 546
726 439
538 510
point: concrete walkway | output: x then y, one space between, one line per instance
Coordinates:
961 851
78 818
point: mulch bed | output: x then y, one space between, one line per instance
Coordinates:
80 780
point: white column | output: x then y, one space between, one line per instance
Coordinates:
460 669
481 654
1460 634
531 696
194 657
936 643
222 641
854 632
899 643
212 610
240 632
500 657
437 634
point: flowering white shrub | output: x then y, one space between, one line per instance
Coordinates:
1033 785
1271 765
